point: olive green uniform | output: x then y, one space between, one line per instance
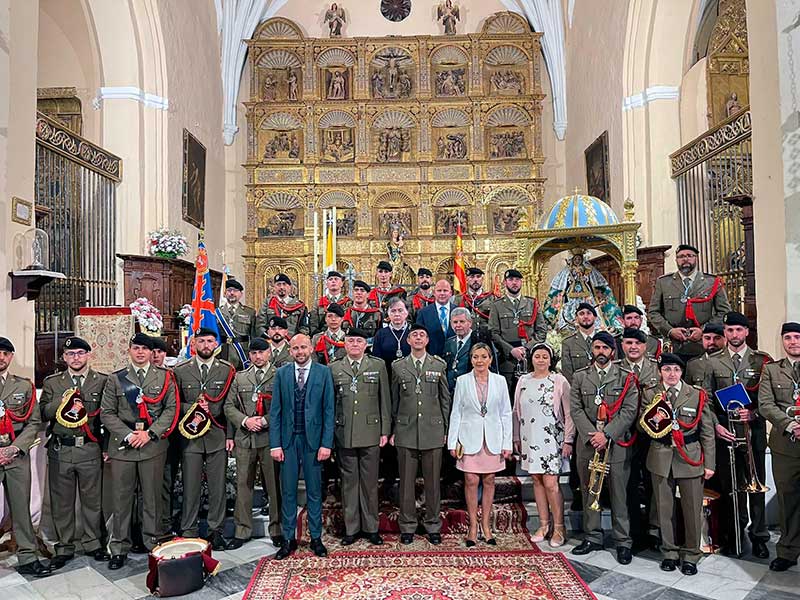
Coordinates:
480 307
696 371
74 461
576 353
296 316
326 352
242 320
280 356
420 415
317 314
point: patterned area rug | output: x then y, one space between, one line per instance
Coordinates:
506 543
392 575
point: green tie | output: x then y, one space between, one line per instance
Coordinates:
140 375
795 371
672 393
418 366
78 379
356 364
203 373
259 375
602 374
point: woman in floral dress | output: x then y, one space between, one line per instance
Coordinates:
543 436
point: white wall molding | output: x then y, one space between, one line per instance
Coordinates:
130 93
651 94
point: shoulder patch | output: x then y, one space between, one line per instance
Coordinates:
54 375
437 358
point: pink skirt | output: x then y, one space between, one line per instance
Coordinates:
482 462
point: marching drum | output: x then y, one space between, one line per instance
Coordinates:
180 567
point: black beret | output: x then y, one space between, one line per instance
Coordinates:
686 247
510 273
76 343
384 265
258 344
790 327
159 343
279 322
335 309
358 283
417 327
282 277
355 332
424 271
713 328
630 308
142 339
735 318
232 283
586 306
605 338
668 358
206 332
6 345
636 334
334 274
474 271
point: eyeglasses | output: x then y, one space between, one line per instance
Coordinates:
75 353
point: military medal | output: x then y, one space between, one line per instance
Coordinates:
418 388
598 400
2 409
675 425
399 353
516 321
354 384
483 410
795 393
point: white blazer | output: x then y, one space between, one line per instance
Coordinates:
469 427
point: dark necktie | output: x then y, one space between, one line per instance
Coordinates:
203 373
602 374
140 375
301 378
672 393
737 362
78 379
259 375
795 371
459 346
356 365
2 384
418 366
637 370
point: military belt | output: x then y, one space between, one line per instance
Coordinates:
687 439
69 440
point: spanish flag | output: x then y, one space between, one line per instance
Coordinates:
459 276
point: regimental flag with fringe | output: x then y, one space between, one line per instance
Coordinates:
203 311
228 334
459 275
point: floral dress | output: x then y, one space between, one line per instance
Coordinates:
541 434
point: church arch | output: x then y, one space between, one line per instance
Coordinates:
281 201
450 117
449 55
337 198
279 59
393 199
508 116
337 118
506 55
452 197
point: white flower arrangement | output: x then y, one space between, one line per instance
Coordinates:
185 314
147 315
166 244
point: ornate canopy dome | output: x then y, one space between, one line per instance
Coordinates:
578 210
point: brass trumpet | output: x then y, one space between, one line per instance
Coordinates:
754 486
598 466
793 412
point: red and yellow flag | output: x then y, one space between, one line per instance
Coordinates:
459 275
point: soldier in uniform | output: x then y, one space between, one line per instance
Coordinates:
204 382
247 410
383 291
333 295
70 405
283 305
171 468
420 415
423 295
516 324
278 336
138 411
20 421
576 350
684 301
362 315
632 319
476 300
605 385
779 402
713 341
159 351
684 461
363 425
239 325
738 363
329 344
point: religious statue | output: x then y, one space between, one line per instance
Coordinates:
507 82
507 220
448 14
453 147
270 88
393 143
337 145
291 83
732 106
578 282
451 82
390 78
337 89
394 247
377 84
509 144
282 145
334 17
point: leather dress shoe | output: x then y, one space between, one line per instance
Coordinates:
59 560
348 540
435 538
624 555
217 541
585 547
669 564
406 538
278 540
318 547
138 548
235 544
688 568
375 539
286 549
781 564
760 549
100 555
116 562
35 568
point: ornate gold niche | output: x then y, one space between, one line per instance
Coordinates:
401 134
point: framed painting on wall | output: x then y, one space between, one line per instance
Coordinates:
597 175
194 180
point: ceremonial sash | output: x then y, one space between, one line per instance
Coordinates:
9 418
325 302
420 301
613 409
133 394
690 302
232 338
322 345
348 315
754 388
280 309
521 328
470 303
378 296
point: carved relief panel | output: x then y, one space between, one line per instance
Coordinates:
450 134
392 74
449 72
336 73
505 71
280 138
507 133
393 137
280 76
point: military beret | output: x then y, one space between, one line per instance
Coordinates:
159 343
206 332
512 273
790 327
735 318
586 306
417 327
76 343
424 271
232 283
605 338
384 265
634 334
282 277
474 271
258 344
630 309
668 358
336 309
334 274
6 345
686 247
713 328
142 339
279 322
356 332
358 283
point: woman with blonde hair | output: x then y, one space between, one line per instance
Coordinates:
543 437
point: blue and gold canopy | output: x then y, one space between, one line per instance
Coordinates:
578 210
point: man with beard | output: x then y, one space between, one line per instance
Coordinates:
713 341
74 452
361 315
738 363
476 301
237 325
436 317
329 344
334 283
516 324
383 291
283 304
632 319
605 387
278 336
576 350
423 295
204 383
684 301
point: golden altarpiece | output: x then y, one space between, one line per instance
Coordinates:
406 136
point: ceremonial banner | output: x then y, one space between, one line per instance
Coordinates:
459 275
108 330
203 310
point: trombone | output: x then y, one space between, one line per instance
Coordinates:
598 466
793 412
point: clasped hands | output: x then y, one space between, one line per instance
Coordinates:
686 334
